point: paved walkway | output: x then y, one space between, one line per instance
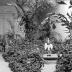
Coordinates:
49 68
4 65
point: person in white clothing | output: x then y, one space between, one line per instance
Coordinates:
48 46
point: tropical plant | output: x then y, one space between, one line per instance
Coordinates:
24 55
64 63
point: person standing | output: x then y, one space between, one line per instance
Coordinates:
48 46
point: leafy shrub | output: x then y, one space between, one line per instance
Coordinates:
31 63
64 63
23 57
